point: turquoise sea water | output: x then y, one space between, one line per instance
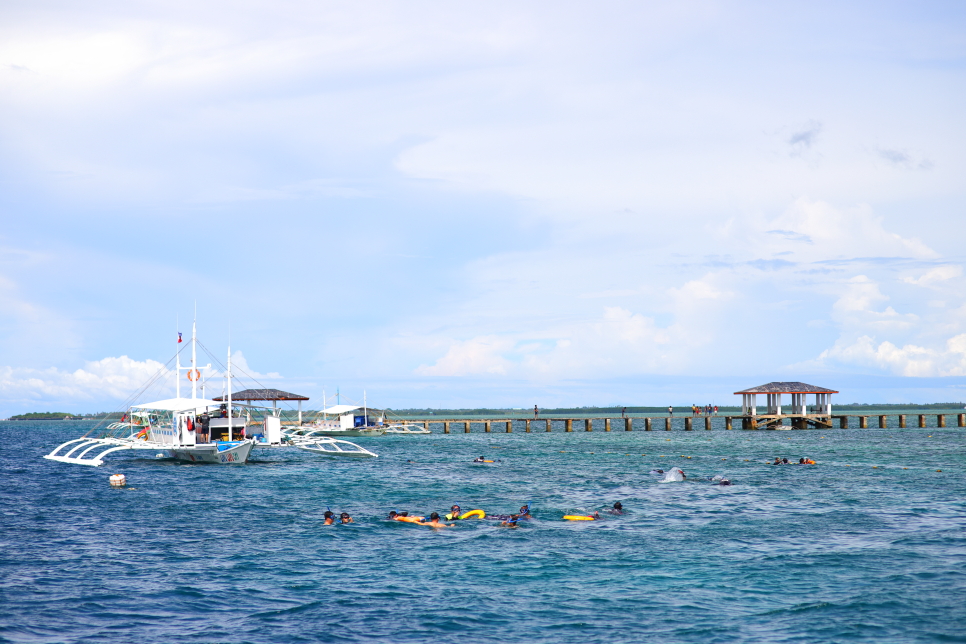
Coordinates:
867 545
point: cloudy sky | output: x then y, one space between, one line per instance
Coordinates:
561 203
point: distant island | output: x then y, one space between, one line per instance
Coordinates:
59 415
44 415
526 411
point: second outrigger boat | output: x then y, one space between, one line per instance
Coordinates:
195 430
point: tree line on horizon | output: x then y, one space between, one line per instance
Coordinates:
482 411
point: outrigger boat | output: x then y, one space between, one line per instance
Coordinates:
349 420
195 430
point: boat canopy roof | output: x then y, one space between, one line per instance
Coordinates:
179 404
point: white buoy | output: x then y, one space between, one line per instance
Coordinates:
118 480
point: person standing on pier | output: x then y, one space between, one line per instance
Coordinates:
624 412
536 412
670 410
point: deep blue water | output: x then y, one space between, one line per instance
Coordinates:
190 553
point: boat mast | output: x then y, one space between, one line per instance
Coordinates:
228 384
194 369
365 408
177 371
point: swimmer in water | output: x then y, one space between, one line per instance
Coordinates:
657 471
329 517
724 482
511 522
454 513
435 522
778 461
525 512
345 518
479 460
617 509
785 461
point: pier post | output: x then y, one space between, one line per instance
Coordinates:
902 421
940 420
961 420
667 424
607 424
843 422
588 425
883 423
647 424
727 422
569 425
466 427
426 425
548 424
528 426
629 424
688 424
509 426
863 422
707 423
446 427
922 420
486 427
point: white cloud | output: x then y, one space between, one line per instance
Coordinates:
938 274
908 360
480 355
816 230
105 381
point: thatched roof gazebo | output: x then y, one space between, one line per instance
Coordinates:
798 390
248 395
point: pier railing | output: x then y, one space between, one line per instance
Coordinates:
685 423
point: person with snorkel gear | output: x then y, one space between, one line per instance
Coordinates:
454 513
329 517
512 521
345 518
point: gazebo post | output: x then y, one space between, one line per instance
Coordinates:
300 413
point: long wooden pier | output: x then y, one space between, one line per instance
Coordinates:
686 423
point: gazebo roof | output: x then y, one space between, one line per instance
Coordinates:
786 388
262 394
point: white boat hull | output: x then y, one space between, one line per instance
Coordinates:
234 453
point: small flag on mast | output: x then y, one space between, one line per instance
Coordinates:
179 336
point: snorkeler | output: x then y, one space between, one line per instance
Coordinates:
724 482
454 513
345 518
329 517
617 509
512 521
479 460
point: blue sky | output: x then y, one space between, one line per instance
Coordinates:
499 205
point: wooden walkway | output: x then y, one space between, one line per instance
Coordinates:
686 423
